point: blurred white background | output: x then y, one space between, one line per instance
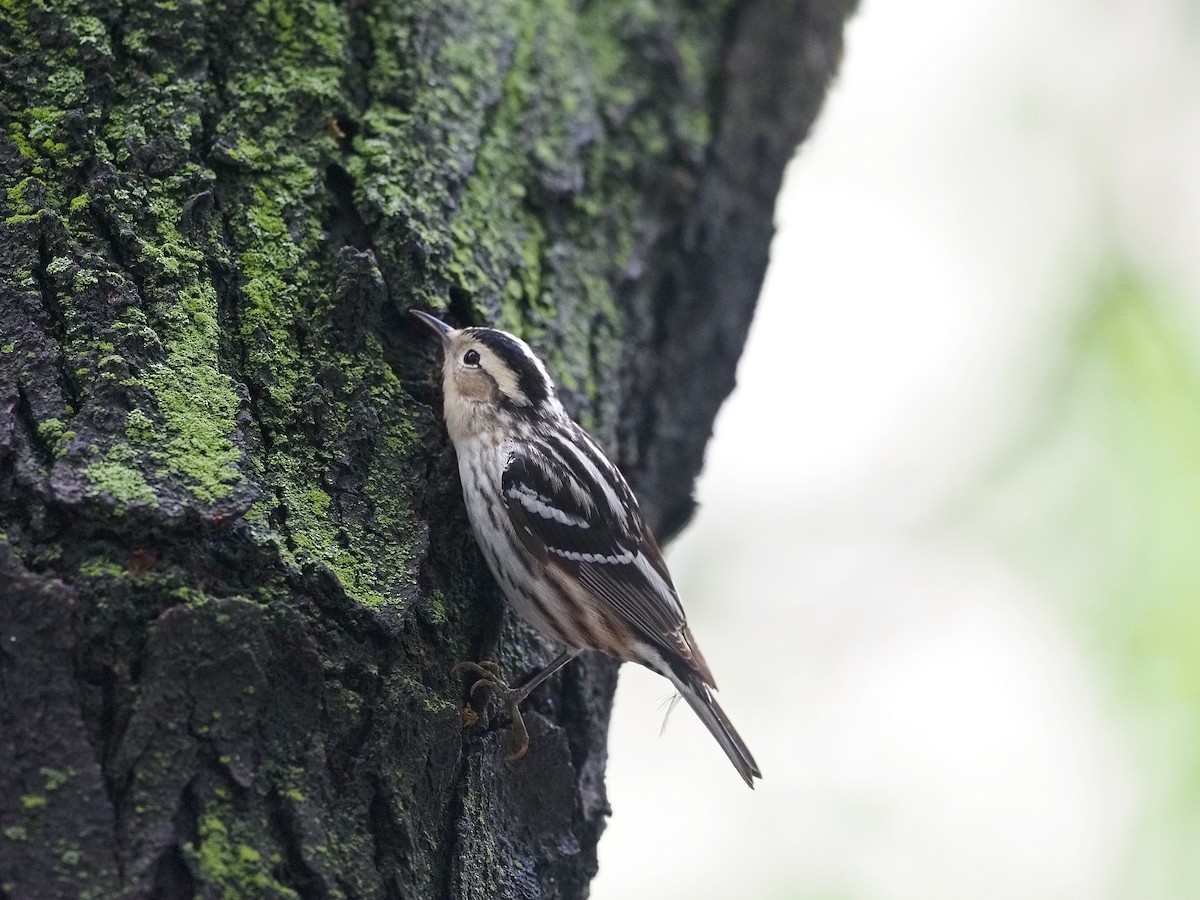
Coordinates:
946 561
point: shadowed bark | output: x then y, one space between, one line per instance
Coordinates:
235 569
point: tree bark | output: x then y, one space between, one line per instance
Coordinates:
236 569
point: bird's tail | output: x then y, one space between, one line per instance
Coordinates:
699 697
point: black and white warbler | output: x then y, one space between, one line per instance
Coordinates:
560 529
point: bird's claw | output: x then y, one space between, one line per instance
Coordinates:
490 677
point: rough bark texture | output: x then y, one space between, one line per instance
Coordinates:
235 569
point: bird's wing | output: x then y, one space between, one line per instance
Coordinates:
575 514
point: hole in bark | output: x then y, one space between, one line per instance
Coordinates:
460 307
343 223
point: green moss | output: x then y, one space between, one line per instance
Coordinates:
15 194
195 398
283 306
119 481
226 860
16 833
51 430
98 567
63 443
318 502
56 435
435 607
58 265
56 778
316 537
435 705
139 427
33 801
16 134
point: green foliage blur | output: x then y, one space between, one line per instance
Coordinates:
1112 470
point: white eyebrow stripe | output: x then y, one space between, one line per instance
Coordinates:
505 378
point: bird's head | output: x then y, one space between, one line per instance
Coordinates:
490 378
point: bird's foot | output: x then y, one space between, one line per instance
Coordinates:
490 677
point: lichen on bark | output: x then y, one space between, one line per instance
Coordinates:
234 566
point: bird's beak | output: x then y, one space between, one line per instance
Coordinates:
441 328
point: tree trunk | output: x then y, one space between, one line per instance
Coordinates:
236 569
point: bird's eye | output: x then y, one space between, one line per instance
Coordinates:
471 358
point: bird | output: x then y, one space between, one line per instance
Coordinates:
561 531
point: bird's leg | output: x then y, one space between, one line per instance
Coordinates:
489 676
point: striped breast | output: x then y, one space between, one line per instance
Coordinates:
533 595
